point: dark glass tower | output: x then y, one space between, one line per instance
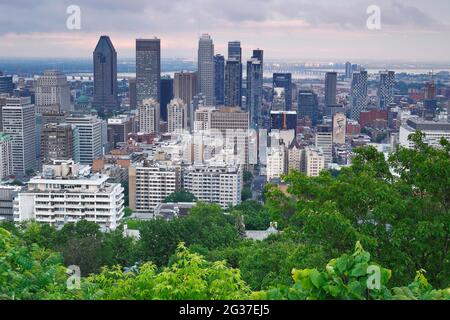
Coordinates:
233 86
148 69
166 96
219 79
6 84
284 80
235 53
105 76
308 105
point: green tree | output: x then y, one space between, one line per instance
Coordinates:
180 196
246 194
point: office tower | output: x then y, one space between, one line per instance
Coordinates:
233 125
105 76
324 142
314 162
283 120
19 123
185 87
53 117
330 88
166 96
255 72
386 89
233 75
308 105
90 138
358 94
8 194
235 53
214 184
348 70
206 68
219 79
52 92
148 69
6 162
284 80
57 142
6 84
202 118
177 114
295 157
149 116
150 184
67 193
132 94
119 128
339 128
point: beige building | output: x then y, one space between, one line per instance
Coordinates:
149 116
52 92
314 162
177 116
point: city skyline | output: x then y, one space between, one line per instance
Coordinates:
288 29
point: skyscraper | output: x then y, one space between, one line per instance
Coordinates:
6 164
148 69
233 83
166 95
330 88
386 89
358 94
105 76
235 52
255 85
206 68
52 92
185 88
132 95
284 80
348 70
6 84
308 105
177 111
89 138
19 123
57 142
219 79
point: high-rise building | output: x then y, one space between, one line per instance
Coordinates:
105 76
339 128
233 78
119 128
67 193
148 69
8 194
348 70
219 79
314 162
185 88
386 89
278 99
177 115
215 184
19 123
283 120
150 184
52 92
276 162
255 72
149 116
324 142
6 163
166 96
330 88
90 138
235 53
57 142
206 68
6 84
308 105
358 94
284 80
132 94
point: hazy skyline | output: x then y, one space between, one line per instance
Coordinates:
412 30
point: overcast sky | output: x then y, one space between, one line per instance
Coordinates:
292 29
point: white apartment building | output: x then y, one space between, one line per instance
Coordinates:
6 164
149 116
215 184
52 92
314 162
276 162
150 184
67 192
177 116
433 131
324 141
